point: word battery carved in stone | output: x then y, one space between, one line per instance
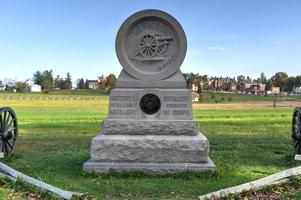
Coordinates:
150 126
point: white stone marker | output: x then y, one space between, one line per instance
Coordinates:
150 126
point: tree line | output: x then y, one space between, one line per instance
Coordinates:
47 82
280 79
102 82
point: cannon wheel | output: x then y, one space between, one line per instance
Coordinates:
296 130
148 46
8 130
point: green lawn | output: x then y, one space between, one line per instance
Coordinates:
247 142
7 194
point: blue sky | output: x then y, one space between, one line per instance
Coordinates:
225 37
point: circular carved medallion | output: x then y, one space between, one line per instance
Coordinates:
151 45
150 104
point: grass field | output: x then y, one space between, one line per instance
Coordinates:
249 139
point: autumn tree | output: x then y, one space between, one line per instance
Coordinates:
101 82
111 81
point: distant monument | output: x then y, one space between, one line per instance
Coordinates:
150 126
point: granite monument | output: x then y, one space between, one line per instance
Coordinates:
150 126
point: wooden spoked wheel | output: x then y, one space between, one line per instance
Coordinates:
8 130
148 46
296 130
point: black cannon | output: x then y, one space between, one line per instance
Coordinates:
8 130
296 130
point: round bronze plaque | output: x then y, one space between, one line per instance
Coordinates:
151 45
150 104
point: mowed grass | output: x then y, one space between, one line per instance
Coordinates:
248 140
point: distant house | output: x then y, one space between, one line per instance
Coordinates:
35 88
233 87
275 90
194 87
92 84
253 87
217 83
297 90
195 96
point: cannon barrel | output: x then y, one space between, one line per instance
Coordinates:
164 38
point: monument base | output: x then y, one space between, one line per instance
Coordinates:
149 168
153 154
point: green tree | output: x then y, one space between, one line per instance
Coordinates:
87 84
197 81
80 84
291 83
58 82
37 78
47 80
63 83
248 79
189 77
268 85
262 78
21 86
205 82
240 80
67 82
280 80
226 86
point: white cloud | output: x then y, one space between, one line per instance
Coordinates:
216 48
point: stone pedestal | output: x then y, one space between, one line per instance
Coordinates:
150 126
154 154
167 141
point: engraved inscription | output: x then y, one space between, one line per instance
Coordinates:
176 105
122 112
176 98
124 105
180 112
124 98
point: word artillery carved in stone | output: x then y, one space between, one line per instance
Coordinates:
150 126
